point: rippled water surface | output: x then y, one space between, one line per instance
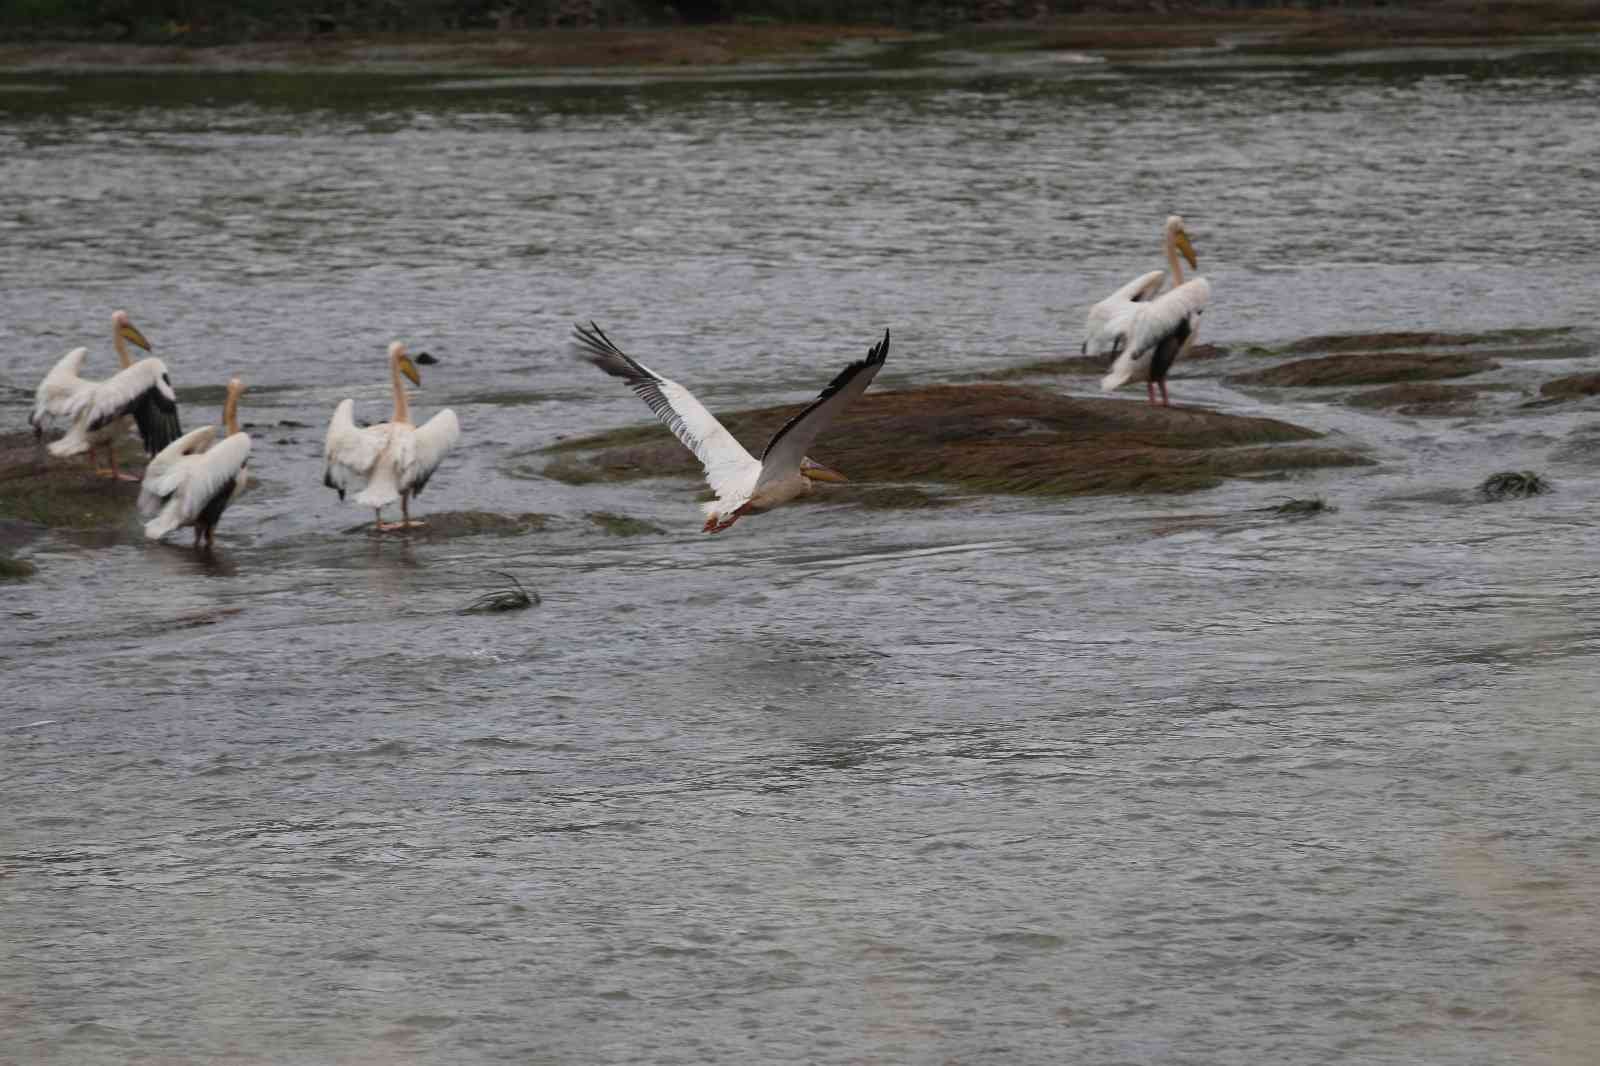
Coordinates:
1100 780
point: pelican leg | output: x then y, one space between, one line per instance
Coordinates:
716 523
111 450
196 538
211 536
1165 402
406 521
1150 391
94 461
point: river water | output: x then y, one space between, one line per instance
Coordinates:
1096 780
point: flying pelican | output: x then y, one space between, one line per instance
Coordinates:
190 482
392 460
1136 313
99 411
743 485
58 389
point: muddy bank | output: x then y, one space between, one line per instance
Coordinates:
1109 28
40 490
1369 369
993 439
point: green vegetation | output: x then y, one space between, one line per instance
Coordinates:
512 597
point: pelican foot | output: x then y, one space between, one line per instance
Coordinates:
388 527
125 476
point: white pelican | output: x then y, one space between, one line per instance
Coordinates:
58 389
1112 323
190 482
743 484
99 411
392 460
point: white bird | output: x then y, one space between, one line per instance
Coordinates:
99 412
1112 317
60 387
1145 339
190 482
743 484
392 460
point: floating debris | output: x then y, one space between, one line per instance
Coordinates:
1513 485
512 598
1294 507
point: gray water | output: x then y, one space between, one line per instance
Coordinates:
1097 780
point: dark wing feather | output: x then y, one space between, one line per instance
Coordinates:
791 442
157 417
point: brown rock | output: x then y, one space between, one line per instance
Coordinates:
1571 386
1369 369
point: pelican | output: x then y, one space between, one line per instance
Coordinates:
99 411
743 484
392 460
190 482
1115 317
56 392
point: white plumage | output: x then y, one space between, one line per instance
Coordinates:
743 484
97 410
191 481
54 396
1146 338
390 461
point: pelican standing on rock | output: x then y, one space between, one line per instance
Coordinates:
1144 331
100 411
392 460
743 484
190 482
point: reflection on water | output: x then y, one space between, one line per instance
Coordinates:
1023 780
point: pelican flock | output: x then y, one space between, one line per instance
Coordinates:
392 460
191 482
744 485
1143 330
98 413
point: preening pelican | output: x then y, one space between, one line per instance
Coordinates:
99 411
743 485
1146 338
190 482
1145 332
392 460
61 386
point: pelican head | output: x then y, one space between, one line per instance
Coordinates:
1179 237
812 470
397 354
125 329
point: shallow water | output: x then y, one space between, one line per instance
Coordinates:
1019 780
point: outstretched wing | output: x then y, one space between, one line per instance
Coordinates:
144 391
53 398
349 453
1156 331
730 470
790 444
162 477
429 444
1140 290
198 484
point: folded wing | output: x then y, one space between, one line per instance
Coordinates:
1154 333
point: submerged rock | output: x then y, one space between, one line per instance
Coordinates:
1571 386
990 438
1369 369
448 525
620 525
1423 398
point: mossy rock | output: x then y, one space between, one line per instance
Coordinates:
992 438
64 493
16 569
1078 365
1368 369
1571 387
619 525
1399 339
1418 398
450 525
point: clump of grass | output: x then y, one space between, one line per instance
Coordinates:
619 525
1513 485
511 598
1296 507
15 569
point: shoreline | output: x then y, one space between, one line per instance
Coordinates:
1289 32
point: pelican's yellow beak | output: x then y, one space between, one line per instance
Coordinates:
409 369
133 336
817 472
1188 250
